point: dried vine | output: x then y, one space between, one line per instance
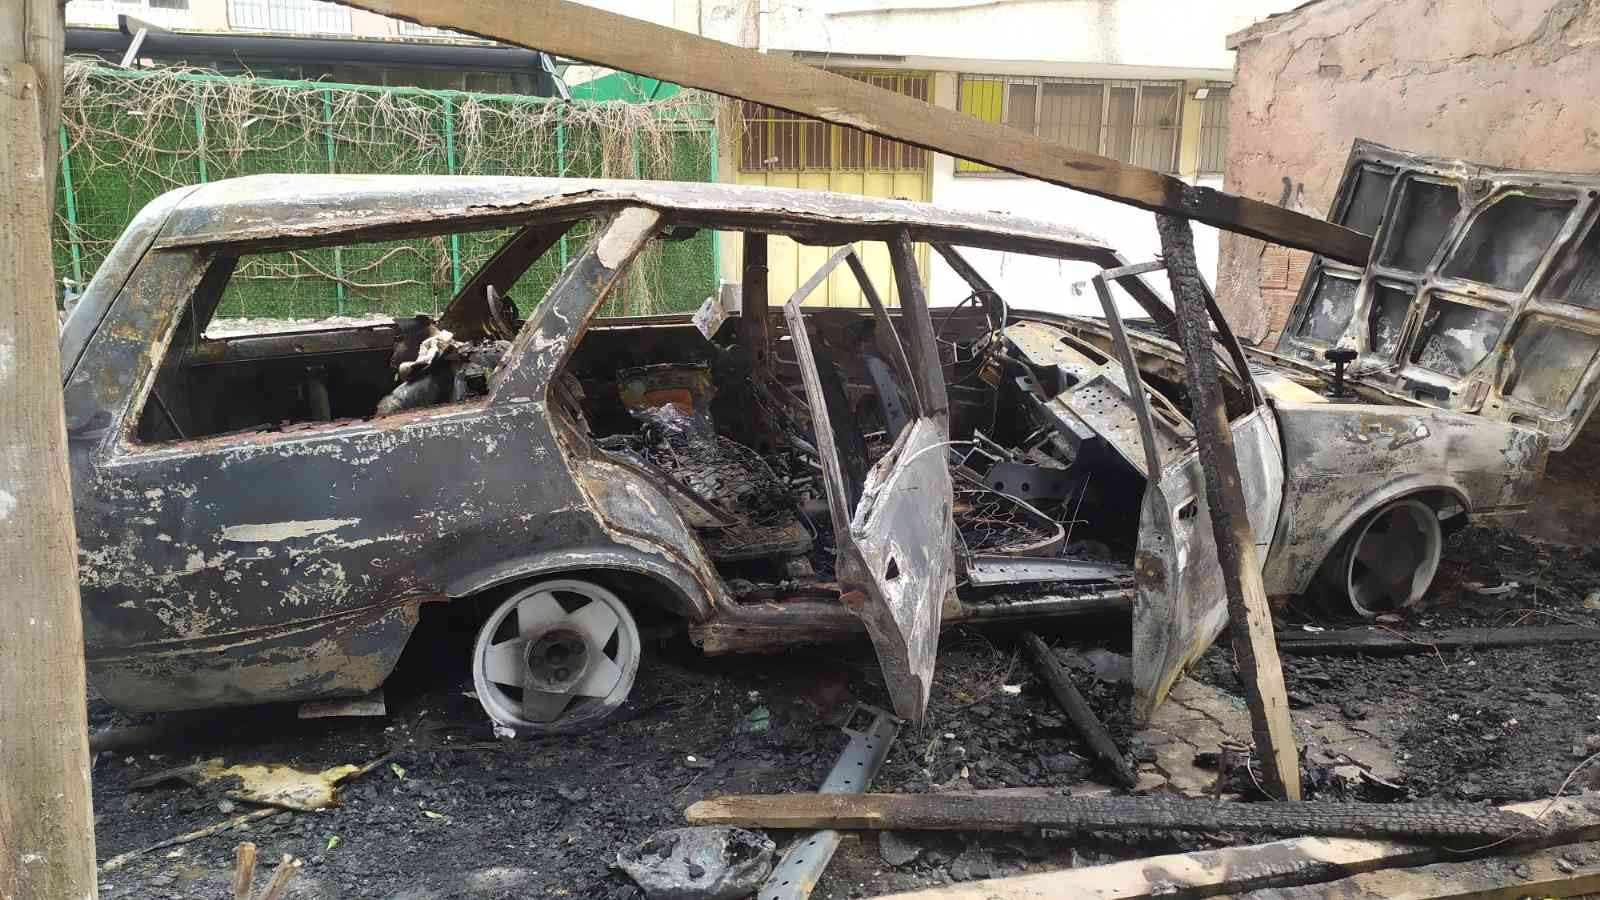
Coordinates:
131 135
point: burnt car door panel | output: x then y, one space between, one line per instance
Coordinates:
1181 605
896 546
1481 294
243 568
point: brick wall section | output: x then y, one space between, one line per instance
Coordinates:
1280 274
1506 84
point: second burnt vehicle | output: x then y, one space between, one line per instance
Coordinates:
261 515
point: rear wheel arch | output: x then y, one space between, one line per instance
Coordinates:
646 583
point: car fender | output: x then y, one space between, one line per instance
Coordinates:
1343 460
683 595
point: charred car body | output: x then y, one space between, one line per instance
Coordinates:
260 516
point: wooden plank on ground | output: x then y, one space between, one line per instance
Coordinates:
1390 642
984 811
1568 871
580 32
1279 863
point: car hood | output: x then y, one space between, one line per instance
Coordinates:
1482 294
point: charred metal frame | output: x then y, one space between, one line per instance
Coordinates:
1485 388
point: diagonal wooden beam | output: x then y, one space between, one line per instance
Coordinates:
632 45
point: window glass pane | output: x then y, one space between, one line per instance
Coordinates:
1507 241
1156 134
1387 317
1021 100
1333 301
1577 278
1119 123
1455 337
1371 194
1426 210
1070 114
1556 360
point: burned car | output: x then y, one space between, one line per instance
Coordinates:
261 515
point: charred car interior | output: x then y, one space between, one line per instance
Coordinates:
261 514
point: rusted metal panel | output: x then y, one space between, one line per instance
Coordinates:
896 563
112 273
1181 606
271 209
1482 292
303 554
1342 460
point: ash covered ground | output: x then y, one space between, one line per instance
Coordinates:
452 812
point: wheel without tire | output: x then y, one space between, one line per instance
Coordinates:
1387 562
556 656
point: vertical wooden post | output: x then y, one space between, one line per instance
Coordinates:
46 823
34 32
1249 615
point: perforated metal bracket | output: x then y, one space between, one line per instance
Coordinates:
871 731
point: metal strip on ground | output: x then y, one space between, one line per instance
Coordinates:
802 865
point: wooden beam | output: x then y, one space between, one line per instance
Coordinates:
34 32
1232 870
572 30
1249 612
1386 642
1568 871
984 811
46 822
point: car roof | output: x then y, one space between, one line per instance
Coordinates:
268 209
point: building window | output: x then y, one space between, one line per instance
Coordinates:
103 13
1213 130
412 29
289 16
1131 121
779 141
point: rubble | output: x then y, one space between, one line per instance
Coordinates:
705 863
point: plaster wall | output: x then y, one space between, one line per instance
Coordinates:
1503 83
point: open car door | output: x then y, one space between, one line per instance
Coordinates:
1482 294
893 529
1181 604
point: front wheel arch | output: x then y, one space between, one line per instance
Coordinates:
1402 532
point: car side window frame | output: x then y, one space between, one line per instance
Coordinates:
503 388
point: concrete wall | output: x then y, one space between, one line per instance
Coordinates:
1498 82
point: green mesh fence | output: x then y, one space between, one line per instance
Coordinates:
130 135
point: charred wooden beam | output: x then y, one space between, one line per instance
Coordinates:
1300 861
569 29
1398 643
983 811
1089 726
1249 614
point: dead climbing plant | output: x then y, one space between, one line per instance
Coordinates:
131 135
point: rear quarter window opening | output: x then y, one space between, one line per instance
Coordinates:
318 334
